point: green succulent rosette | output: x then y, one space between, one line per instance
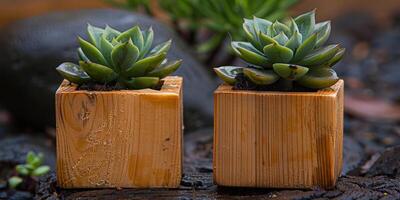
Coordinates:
293 50
124 58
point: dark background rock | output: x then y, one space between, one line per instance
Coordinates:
387 164
33 48
353 154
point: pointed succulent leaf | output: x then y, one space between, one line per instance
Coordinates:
237 44
72 73
260 77
166 69
82 55
293 26
271 31
94 35
110 33
319 78
31 155
98 72
14 181
280 27
228 73
251 33
338 56
294 42
305 48
290 71
142 82
137 38
161 48
281 38
261 25
265 40
323 31
92 53
278 53
134 34
254 58
40 171
320 56
115 42
106 49
142 67
249 27
306 23
22 170
148 37
250 54
124 55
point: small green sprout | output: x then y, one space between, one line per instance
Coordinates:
32 168
15 181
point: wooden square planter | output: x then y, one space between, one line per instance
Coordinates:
127 138
278 139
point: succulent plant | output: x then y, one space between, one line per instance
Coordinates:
32 168
290 51
125 59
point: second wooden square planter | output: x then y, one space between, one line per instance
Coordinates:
278 139
127 138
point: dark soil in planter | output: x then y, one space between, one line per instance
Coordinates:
243 83
110 87
99 87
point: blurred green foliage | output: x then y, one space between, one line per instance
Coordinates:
218 18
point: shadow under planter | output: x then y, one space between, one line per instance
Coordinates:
278 139
125 138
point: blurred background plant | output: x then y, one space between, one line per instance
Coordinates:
207 25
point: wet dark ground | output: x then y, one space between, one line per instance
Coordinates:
371 169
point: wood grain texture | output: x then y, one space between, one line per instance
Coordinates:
278 139
124 138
